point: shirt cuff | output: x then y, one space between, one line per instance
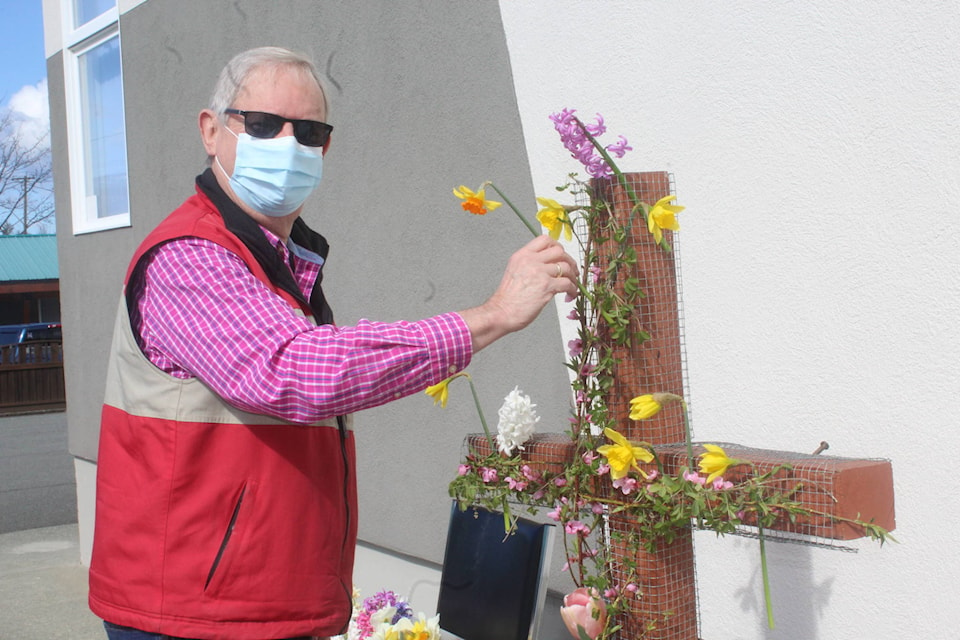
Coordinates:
449 340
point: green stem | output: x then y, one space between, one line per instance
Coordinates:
686 434
534 231
766 578
483 421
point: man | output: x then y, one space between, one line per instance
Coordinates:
226 497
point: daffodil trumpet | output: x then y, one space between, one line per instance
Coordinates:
621 179
534 231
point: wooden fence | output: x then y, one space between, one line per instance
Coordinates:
31 376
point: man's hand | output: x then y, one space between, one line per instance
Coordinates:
534 275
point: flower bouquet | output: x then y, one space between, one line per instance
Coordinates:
386 616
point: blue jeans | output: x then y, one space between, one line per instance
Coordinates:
116 632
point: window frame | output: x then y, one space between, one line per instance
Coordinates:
76 43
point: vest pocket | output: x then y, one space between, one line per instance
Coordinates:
226 537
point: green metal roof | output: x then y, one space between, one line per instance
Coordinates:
30 257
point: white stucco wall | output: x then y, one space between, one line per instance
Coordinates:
815 146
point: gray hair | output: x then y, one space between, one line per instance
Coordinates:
235 74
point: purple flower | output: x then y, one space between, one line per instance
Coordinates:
598 128
620 147
576 347
573 315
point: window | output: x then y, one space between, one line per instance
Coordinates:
96 131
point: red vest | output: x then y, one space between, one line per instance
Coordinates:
212 522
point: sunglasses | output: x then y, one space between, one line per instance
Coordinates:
260 124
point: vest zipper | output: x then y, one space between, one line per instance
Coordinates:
226 538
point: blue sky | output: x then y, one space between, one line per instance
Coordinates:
23 68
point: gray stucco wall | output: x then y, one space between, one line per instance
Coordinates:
423 101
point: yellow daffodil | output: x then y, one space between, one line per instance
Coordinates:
475 201
554 218
622 455
649 405
440 392
715 462
663 215
643 407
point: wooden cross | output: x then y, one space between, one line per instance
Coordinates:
842 487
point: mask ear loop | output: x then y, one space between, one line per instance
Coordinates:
217 158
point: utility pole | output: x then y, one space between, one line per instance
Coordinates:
25 179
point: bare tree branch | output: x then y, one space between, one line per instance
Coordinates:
26 180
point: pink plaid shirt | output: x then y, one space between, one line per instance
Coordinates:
201 313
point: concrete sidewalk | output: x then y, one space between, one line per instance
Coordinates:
43 587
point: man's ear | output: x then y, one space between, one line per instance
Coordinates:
326 147
209 125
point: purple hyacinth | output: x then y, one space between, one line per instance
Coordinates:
576 142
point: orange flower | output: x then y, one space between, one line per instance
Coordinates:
475 201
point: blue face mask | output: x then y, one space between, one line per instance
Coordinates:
274 176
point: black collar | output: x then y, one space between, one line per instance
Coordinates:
249 232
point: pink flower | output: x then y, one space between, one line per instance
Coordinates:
575 527
603 469
589 456
555 514
463 470
652 475
610 593
573 315
693 476
560 482
529 473
596 508
516 485
576 347
584 609
720 484
595 273
632 588
626 484
488 475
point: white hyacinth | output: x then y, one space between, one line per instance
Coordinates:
517 421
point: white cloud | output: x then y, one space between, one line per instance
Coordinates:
30 112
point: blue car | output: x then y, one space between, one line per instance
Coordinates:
33 342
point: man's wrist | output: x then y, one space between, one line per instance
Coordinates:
485 323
